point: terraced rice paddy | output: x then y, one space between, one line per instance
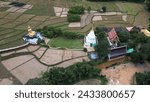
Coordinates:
14 24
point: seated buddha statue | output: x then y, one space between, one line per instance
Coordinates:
31 33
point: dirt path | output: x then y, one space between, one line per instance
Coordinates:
122 74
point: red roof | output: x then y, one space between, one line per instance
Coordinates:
112 35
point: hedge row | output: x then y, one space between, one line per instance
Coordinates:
69 75
76 10
73 18
52 32
74 13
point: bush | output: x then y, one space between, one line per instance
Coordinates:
143 78
136 57
48 32
145 50
103 79
76 10
69 75
104 9
148 4
52 32
73 18
123 36
36 81
17 4
89 9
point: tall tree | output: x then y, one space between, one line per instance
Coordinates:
102 47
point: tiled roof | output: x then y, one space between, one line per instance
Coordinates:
112 35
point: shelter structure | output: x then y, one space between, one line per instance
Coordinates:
117 52
33 37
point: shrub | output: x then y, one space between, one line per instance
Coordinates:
73 18
104 9
69 75
136 57
89 9
36 81
76 10
17 4
103 79
143 78
123 36
145 50
52 32
148 4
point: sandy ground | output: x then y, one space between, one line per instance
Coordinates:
97 18
76 24
123 74
61 12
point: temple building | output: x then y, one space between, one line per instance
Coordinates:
113 38
90 41
33 37
115 50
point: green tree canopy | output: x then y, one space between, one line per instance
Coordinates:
143 78
69 75
103 45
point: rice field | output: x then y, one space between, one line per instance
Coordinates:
14 25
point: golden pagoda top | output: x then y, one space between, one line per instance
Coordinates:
30 32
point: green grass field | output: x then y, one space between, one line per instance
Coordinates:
129 8
66 43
